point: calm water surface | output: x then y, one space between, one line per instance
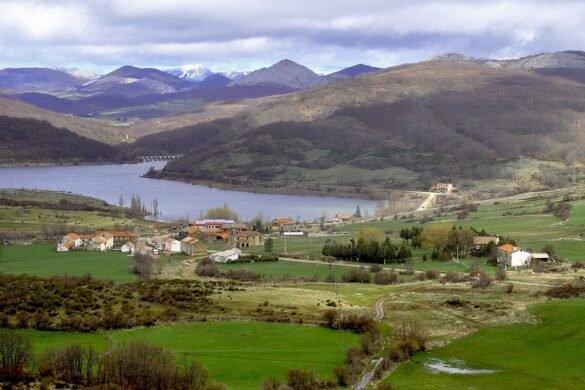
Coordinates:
176 200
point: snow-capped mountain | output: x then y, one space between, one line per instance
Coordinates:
194 73
198 73
78 73
235 75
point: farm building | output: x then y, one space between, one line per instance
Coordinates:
283 225
511 256
226 256
246 239
73 238
481 241
172 245
65 247
99 243
192 246
340 217
128 247
540 257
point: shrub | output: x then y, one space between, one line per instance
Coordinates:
409 338
359 324
342 376
482 281
15 356
577 265
302 380
454 277
73 364
243 275
207 268
374 268
501 275
432 274
569 290
509 288
139 365
329 317
386 277
360 275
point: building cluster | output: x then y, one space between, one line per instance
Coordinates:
508 255
98 241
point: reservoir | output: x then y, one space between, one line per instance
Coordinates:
175 199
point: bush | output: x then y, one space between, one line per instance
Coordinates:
482 281
386 277
73 364
15 356
454 277
208 268
409 338
302 380
569 290
432 274
139 365
360 275
243 275
509 288
577 265
501 275
359 324
374 268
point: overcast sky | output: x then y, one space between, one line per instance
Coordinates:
325 35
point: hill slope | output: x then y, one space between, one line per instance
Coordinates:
84 127
286 73
37 79
30 140
404 126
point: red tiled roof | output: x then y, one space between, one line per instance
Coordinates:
508 248
73 236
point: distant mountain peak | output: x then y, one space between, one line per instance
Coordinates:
286 73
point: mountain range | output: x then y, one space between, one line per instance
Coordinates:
353 132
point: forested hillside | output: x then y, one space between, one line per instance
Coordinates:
30 140
406 126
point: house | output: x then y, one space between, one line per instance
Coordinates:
214 223
109 237
193 246
247 238
172 245
444 187
73 238
65 247
511 256
226 256
99 243
128 247
283 225
481 241
118 238
340 217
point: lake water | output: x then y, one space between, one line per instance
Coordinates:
175 199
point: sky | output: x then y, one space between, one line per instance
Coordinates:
325 35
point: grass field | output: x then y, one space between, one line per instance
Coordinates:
239 354
44 260
288 269
548 355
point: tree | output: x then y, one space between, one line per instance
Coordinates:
221 213
371 234
358 212
269 245
15 355
436 236
460 241
403 253
121 200
155 210
548 248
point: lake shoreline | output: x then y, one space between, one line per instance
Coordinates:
267 190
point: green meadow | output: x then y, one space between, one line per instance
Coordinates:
44 261
545 355
239 354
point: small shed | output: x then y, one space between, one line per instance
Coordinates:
172 245
226 256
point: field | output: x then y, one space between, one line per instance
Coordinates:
44 261
547 355
289 269
239 354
